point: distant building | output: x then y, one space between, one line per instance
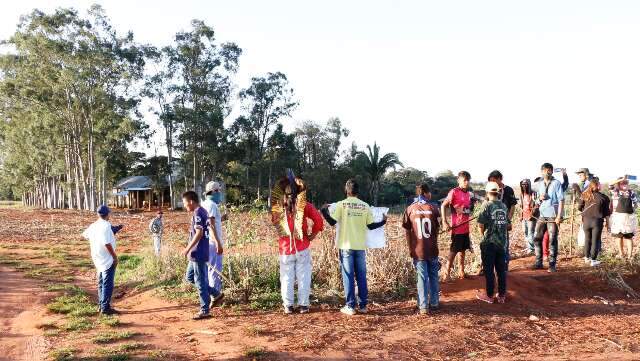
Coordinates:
139 192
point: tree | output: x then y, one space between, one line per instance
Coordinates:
376 166
266 101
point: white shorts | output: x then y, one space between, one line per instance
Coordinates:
623 224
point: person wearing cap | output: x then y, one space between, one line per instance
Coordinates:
494 224
551 204
584 176
624 203
508 197
102 242
216 243
155 227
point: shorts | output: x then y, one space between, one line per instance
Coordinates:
623 225
460 242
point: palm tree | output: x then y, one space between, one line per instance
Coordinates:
377 166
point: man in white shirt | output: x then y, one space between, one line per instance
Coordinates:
216 243
103 244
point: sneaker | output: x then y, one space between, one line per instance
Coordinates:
304 309
217 301
595 263
502 299
348 310
363 310
201 316
288 310
587 260
482 296
536 266
552 269
424 311
109 312
434 307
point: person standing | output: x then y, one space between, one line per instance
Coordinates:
156 228
527 202
508 197
623 218
595 210
197 252
584 176
291 214
551 198
355 218
421 221
102 242
460 203
216 243
494 224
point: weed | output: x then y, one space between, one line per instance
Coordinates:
108 337
256 352
63 354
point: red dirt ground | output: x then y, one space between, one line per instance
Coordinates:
572 324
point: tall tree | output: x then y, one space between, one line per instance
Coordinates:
376 166
266 102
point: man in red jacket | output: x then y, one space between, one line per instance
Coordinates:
290 214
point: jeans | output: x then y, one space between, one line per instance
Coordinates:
295 268
157 244
507 254
493 258
197 275
592 232
105 287
353 264
215 270
546 224
529 228
428 282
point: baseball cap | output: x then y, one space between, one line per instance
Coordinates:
103 210
212 187
492 187
583 170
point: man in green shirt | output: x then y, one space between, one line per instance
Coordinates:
354 218
494 224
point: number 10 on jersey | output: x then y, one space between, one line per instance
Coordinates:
423 228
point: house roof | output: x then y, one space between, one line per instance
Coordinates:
136 182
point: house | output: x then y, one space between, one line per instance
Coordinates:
139 192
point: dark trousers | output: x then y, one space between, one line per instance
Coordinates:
592 228
494 258
546 224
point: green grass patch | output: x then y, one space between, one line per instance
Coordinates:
109 337
266 301
78 323
109 321
119 350
255 352
63 354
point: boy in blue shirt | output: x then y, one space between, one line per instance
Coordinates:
197 251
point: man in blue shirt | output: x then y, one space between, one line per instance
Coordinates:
197 251
551 199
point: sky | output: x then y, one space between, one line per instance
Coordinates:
473 85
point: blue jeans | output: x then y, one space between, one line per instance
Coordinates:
353 264
105 287
197 274
428 282
529 229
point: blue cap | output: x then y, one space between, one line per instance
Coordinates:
103 210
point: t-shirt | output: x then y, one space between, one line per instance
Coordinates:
596 208
353 215
199 220
527 206
624 201
99 234
460 204
494 217
155 226
214 211
555 194
508 197
421 218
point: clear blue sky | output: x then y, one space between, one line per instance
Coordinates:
473 85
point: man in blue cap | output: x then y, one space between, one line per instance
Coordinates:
103 253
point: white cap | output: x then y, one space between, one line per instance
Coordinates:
212 187
492 187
